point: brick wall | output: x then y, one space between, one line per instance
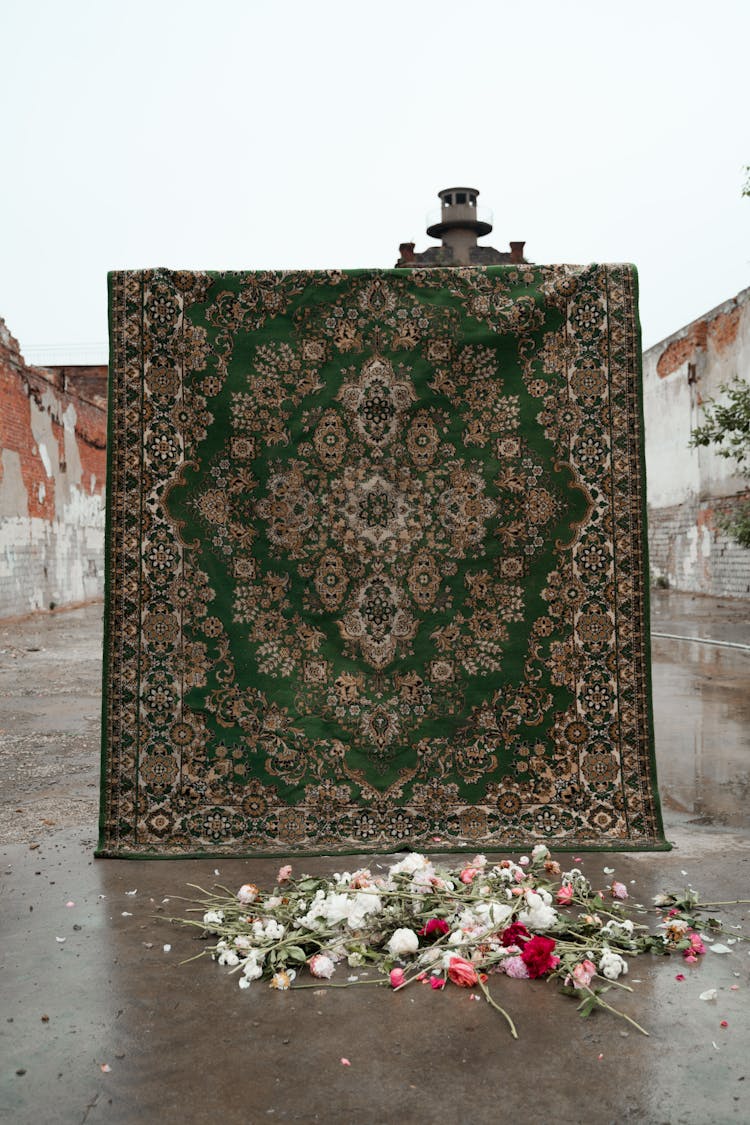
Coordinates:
52 477
688 552
688 488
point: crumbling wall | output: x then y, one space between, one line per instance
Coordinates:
52 478
688 489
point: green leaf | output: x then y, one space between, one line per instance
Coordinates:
295 953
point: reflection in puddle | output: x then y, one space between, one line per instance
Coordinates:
702 726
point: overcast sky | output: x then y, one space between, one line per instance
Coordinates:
309 133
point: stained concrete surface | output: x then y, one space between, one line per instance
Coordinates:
184 1044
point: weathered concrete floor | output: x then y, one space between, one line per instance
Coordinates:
184 1044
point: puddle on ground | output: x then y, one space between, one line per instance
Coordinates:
702 729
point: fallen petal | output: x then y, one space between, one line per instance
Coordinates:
105 1068
719 948
709 994
345 1062
167 948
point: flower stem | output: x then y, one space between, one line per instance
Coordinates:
616 1011
497 1006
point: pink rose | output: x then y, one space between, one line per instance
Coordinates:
469 874
565 895
437 982
696 944
515 967
462 972
583 973
619 890
284 873
398 977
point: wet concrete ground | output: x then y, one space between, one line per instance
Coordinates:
184 1044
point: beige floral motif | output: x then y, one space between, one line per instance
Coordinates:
330 440
378 621
290 510
463 510
424 579
331 580
422 440
377 400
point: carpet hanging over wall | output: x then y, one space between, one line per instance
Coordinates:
376 563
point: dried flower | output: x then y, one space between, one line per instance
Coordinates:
283 979
284 873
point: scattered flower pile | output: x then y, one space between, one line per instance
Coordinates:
417 922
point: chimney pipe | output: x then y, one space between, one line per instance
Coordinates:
406 253
516 252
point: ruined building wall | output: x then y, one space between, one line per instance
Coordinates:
688 488
52 478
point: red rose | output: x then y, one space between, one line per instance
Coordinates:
435 926
537 956
515 934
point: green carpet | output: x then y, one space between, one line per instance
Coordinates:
376 563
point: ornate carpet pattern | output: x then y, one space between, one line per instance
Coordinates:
376 560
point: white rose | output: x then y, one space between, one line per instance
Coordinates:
228 957
251 970
322 966
611 964
402 942
412 863
213 918
494 914
539 852
539 915
247 893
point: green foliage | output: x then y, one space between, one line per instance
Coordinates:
727 430
727 424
